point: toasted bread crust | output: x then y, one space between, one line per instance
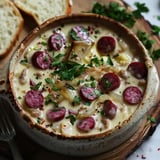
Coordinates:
19 26
39 17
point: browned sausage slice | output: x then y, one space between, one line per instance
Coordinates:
106 44
56 41
110 109
88 93
57 114
138 70
79 33
109 82
34 99
132 95
41 60
86 124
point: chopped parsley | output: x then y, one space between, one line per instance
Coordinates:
144 38
119 13
56 60
39 120
36 86
116 12
109 61
69 70
155 54
151 119
43 43
76 100
69 86
19 97
49 81
24 61
52 84
49 99
72 119
158 17
155 29
96 62
141 8
108 83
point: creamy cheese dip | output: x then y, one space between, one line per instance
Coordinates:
77 100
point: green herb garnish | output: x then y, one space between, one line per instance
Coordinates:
109 61
36 86
155 29
69 86
49 81
96 62
155 54
69 70
48 100
144 38
151 119
43 43
24 61
116 12
56 60
158 17
76 100
72 119
141 8
52 84
39 120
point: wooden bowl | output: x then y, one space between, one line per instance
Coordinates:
84 143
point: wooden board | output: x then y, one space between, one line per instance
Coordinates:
33 151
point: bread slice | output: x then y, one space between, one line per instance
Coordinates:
41 10
10 27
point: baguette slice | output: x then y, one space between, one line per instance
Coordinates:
10 27
41 10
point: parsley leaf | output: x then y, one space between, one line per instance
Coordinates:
36 86
158 17
109 61
151 119
48 99
72 119
99 9
76 100
96 62
144 38
56 60
24 61
116 12
141 8
52 84
69 70
155 29
155 54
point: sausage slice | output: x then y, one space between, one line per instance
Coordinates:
106 44
41 60
109 82
110 109
86 124
56 41
57 114
138 70
34 99
132 95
